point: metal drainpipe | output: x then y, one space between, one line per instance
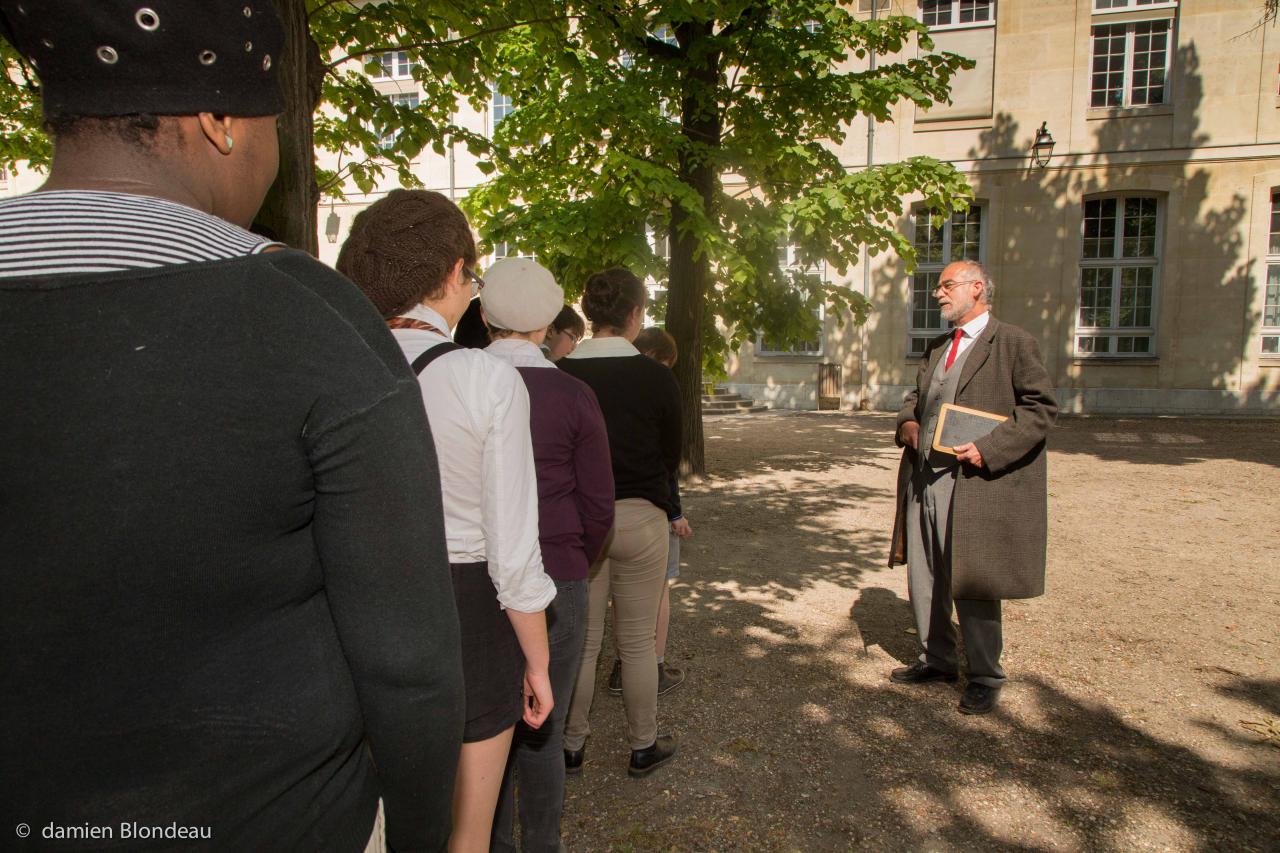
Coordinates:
863 403
452 187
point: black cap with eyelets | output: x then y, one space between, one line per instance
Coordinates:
157 57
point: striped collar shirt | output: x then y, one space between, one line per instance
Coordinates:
63 232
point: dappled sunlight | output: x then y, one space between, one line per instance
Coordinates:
1024 817
1149 824
788 622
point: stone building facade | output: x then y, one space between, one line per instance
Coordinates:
1145 255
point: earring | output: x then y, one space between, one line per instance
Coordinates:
230 142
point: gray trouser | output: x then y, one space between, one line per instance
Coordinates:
536 761
929 582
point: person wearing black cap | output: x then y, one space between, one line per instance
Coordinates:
225 602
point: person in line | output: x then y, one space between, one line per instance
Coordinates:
658 345
971 526
564 335
575 512
641 405
471 331
412 253
224 591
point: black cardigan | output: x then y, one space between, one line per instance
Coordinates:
641 404
224 590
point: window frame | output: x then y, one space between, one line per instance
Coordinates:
494 106
1113 332
790 265
1128 69
387 138
955 23
409 63
1271 261
922 333
1132 6
502 250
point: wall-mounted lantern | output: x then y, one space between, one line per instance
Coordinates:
331 224
1042 148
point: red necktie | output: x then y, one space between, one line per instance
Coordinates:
955 348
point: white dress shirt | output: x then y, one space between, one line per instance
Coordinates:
972 329
478 409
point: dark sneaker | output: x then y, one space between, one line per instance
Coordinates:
669 678
979 699
645 761
615 678
573 760
920 673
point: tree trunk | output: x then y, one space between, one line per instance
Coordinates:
690 272
289 209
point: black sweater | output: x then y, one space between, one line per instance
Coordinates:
224 590
641 404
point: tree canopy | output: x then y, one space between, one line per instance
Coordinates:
714 123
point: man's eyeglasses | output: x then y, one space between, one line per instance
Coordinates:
950 284
476 280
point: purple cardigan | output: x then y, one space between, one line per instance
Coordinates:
575 476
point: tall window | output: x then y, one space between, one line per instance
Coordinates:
395 65
506 250
500 105
1271 305
956 238
797 271
940 14
1120 5
1130 64
1119 268
389 134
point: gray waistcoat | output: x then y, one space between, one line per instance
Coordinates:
942 389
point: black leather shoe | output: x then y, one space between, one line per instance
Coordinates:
979 699
645 761
573 760
920 673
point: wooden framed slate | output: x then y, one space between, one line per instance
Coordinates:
959 425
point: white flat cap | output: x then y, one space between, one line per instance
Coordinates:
520 295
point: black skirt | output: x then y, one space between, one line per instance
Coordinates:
492 664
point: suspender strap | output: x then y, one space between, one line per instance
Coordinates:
420 363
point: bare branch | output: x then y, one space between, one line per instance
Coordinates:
1270 13
750 15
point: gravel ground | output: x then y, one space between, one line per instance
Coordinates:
1141 686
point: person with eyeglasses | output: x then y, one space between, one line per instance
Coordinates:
972 523
564 335
413 255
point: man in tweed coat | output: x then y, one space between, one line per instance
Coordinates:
972 527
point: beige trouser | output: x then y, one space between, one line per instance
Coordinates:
632 571
378 838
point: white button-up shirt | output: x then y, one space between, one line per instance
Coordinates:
972 329
478 409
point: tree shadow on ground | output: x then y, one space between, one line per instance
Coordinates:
794 739
853 441
810 757
1168 441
